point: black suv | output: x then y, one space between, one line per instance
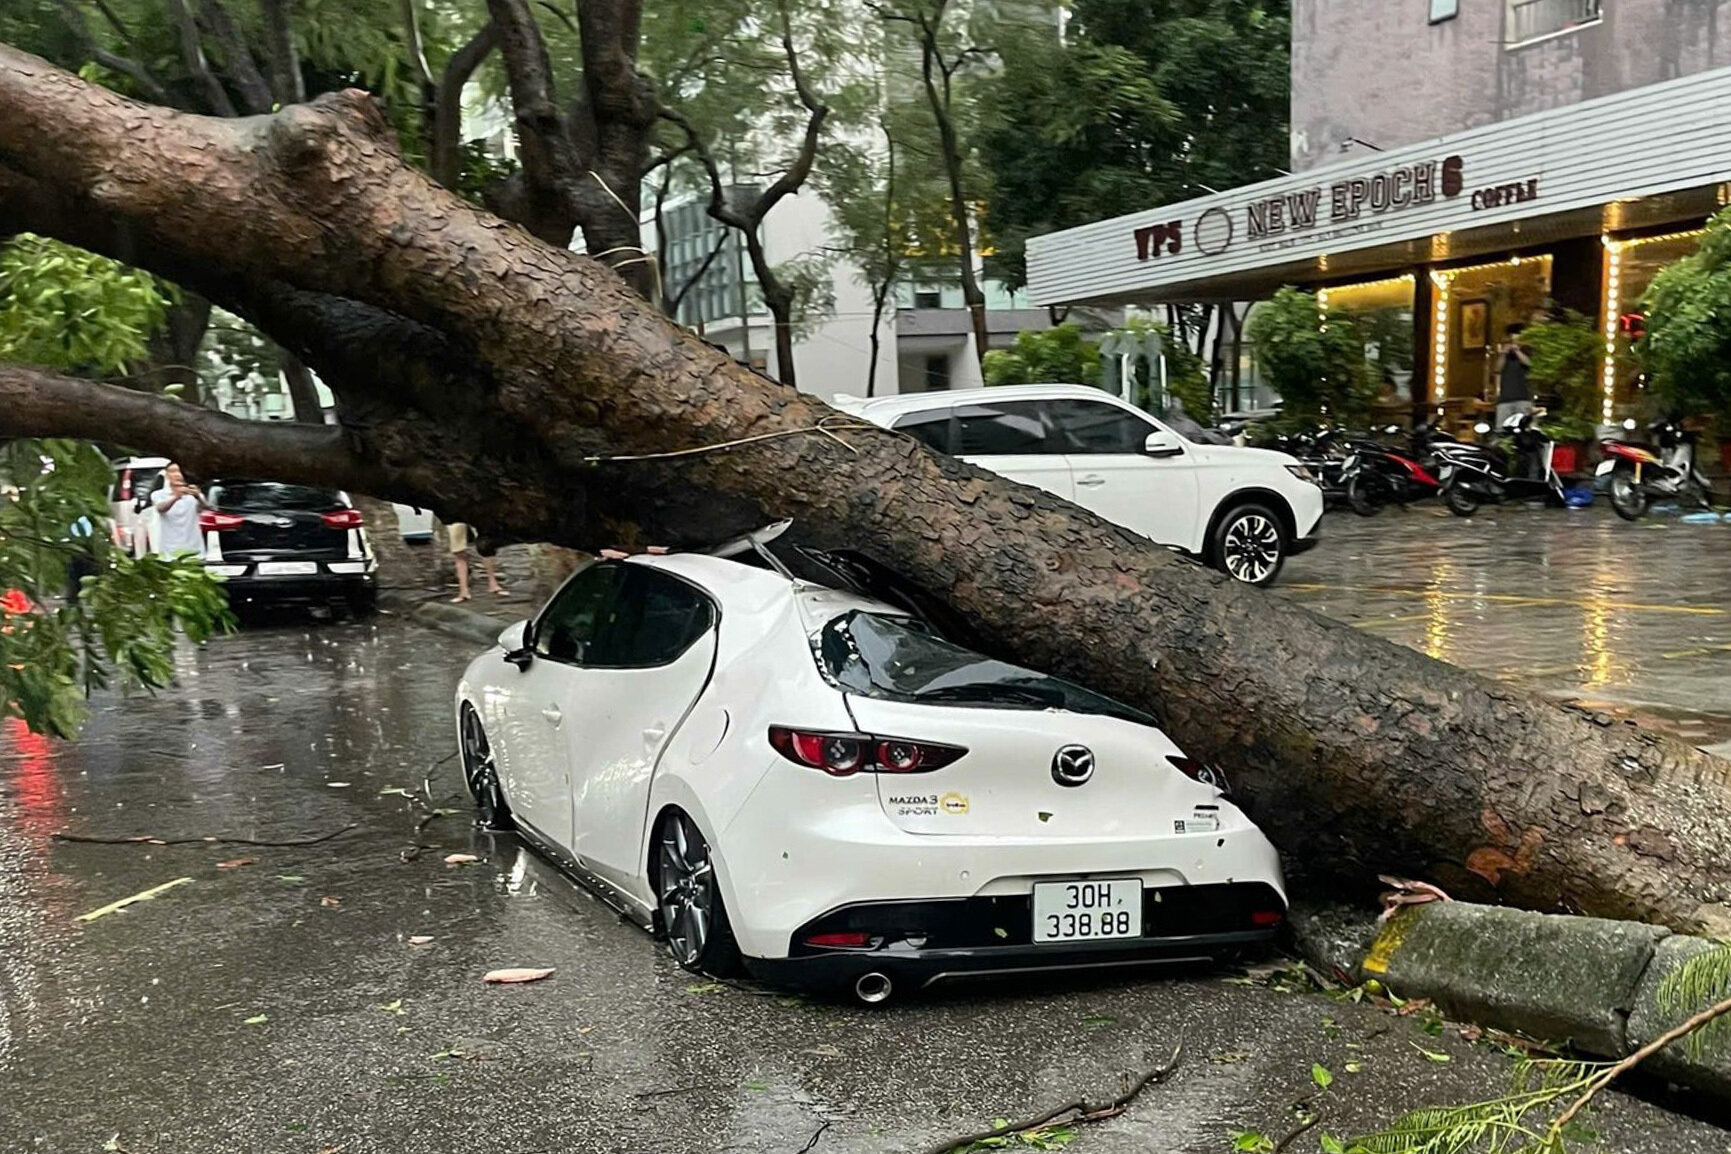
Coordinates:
275 543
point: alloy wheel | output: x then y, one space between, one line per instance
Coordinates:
481 773
1251 548
686 888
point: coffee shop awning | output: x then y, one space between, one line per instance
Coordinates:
1638 159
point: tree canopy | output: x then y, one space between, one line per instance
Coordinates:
1143 104
1687 346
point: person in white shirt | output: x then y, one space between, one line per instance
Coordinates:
177 505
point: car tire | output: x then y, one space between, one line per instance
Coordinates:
363 603
481 772
1250 544
690 915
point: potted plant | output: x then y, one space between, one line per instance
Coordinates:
1314 360
1567 362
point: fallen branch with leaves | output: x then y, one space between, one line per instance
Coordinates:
1079 1112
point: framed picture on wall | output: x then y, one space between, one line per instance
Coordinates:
1474 318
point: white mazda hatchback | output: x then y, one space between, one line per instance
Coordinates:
814 785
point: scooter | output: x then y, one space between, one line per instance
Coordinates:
1474 474
1636 474
1375 475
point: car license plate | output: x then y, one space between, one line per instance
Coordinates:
287 568
1082 911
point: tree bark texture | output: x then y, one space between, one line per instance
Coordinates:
545 371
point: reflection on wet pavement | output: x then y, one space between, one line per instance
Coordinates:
279 1005
1633 619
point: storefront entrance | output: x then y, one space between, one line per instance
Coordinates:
1473 307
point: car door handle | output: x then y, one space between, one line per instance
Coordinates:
1091 480
552 714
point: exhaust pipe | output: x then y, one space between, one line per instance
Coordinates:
873 988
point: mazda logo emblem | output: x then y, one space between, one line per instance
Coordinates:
1073 765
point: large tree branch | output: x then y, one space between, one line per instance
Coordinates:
447 163
35 403
552 168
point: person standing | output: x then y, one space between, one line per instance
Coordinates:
460 558
177 506
1514 394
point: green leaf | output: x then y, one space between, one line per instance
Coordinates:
256 1020
1251 1142
1331 1144
1432 1055
1320 1075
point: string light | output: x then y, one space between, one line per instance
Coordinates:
1614 250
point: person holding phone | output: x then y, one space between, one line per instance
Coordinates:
177 504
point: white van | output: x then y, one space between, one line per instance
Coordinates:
1241 510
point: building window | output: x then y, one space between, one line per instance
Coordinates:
1441 10
1534 19
928 299
937 373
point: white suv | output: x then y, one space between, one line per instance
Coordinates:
1241 510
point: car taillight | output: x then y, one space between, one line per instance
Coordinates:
1265 918
125 486
841 754
209 520
342 519
1199 771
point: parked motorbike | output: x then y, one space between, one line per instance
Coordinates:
1480 473
1374 474
1638 473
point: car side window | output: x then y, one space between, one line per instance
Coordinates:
568 628
656 618
1088 427
933 428
1013 427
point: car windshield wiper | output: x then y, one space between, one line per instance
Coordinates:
994 693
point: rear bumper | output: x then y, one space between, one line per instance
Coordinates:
916 969
251 588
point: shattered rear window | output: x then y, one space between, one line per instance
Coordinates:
897 658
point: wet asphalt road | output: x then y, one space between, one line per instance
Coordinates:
279 1006
1634 618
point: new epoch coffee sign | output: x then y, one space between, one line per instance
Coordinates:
1347 205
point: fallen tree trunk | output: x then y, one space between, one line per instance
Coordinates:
1356 755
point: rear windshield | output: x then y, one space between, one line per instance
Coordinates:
259 496
876 655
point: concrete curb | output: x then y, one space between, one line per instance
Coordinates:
1593 983
469 624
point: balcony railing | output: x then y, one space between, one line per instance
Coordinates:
1531 19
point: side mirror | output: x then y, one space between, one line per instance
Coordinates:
1481 428
1160 443
515 642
